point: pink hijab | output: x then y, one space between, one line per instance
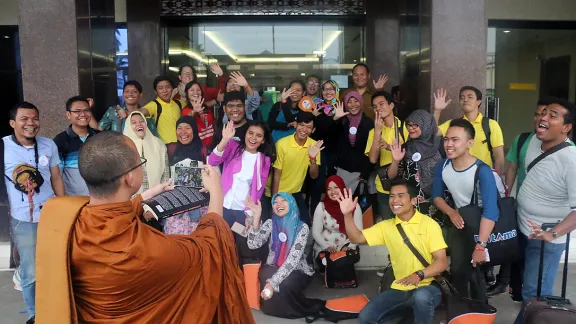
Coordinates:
353 119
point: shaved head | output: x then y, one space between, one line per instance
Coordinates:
104 156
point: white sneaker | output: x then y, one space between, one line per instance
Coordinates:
17 280
380 273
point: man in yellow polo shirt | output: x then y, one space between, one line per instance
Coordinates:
379 151
295 155
171 110
412 289
470 101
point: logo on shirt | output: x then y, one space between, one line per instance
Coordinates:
497 237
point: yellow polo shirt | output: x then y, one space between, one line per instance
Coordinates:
167 124
293 160
479 149
424 233
385 155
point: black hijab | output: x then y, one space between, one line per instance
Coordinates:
193 150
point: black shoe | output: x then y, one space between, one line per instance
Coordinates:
517 298
312 318
496 290
31 320
490 278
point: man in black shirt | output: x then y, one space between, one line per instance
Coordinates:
235 108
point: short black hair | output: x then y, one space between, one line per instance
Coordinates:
395 90
412 191
161 78
305 117
300 82
476 91
468 127
133 83
360 65
234 95
381 93
544 101
312 76
74 99
570 108
102 157
23 105
181 68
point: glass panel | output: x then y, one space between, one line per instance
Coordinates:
121 61
269 54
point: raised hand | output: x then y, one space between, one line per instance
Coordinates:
90 102
211 179
220 96
315 149
286 94
381 81
317 111
347 203
397 151
339 110
440 102
378 124
197 104
229 131
255 207
239 79
216 69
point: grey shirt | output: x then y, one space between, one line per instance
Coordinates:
548 194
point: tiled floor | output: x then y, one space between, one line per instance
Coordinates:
11 303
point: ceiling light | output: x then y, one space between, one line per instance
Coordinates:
506 31
276 59
303 74
331 39
191 54
252 74
220 44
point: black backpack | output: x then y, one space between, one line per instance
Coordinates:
159 109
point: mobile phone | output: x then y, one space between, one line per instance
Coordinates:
188 177
548 226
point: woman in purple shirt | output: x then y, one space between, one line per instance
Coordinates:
245 173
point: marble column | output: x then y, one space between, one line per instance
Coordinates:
455 33
144 43
383 40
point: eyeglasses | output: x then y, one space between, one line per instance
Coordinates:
186 74
129 170
329 90
411 125
313 84
81 111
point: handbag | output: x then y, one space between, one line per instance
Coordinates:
503 242
340 272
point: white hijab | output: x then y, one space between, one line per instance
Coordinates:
151 148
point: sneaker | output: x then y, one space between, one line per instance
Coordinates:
490 278
380 273
496 290
517 298
17 280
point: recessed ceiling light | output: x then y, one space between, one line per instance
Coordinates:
6 36
252 74
302 74
506 31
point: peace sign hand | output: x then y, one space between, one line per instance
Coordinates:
381 81
440 102
339 110
315 149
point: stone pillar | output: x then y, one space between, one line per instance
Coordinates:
49 53
383 40
455 32
144 43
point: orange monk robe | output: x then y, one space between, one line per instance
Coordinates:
123 271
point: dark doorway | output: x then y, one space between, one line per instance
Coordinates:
555 77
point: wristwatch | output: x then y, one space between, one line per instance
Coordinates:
482 244
554 234
420 274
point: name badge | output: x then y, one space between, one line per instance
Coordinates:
282 237
416 157
353 130
43 161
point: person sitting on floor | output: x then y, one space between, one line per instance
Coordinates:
328 227
412 290
286 273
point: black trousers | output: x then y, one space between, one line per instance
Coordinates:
468 281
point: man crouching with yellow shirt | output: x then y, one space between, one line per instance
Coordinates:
413 289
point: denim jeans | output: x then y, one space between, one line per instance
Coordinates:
394 303
24 236
552 255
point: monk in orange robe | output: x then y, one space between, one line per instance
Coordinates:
97 262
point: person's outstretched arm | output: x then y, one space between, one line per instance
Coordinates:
211 181
348 207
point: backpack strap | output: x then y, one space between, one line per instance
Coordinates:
521 140
486 129
179 104
547 153
158 111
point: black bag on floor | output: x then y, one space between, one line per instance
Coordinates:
503 243
339 271
551 309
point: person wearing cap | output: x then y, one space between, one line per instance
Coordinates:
234 103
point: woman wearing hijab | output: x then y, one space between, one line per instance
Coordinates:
189 145
352 130
416 161
281 119
286 273
328 227
151 148
266 104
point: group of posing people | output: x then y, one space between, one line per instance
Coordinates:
308 158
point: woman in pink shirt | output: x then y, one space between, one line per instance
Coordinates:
246 166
